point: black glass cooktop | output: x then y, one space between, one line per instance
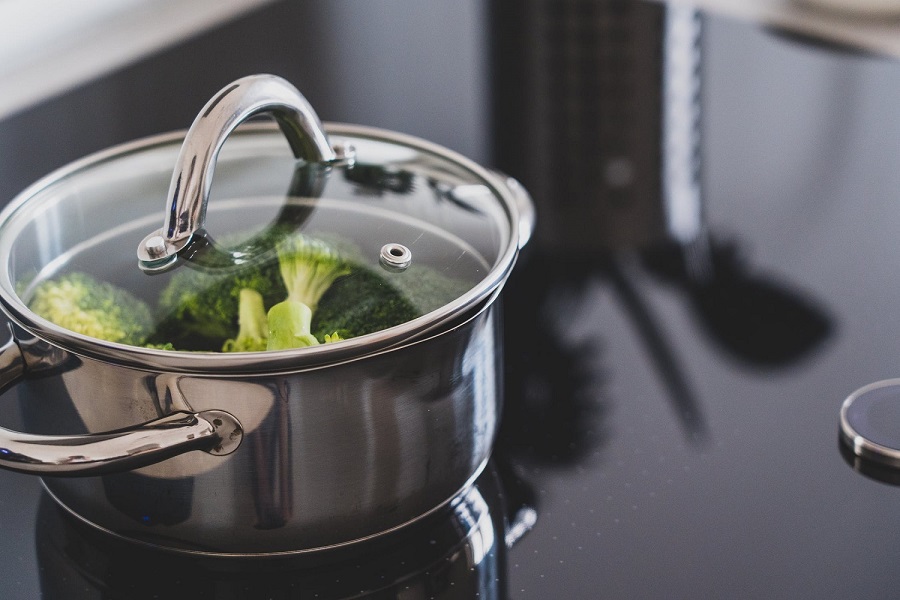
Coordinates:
675 435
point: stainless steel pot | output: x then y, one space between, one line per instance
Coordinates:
268 452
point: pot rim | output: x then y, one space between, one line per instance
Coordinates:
217 363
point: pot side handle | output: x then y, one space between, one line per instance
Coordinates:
213 431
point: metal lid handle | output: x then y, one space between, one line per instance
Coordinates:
191 181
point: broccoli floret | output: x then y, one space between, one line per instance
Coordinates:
369 300
253 328
94 308
426 288
360 303
344 299
199 310
166 346
308 268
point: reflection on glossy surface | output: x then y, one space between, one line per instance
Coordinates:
555 385
874 470
554 391
662 353
376 180
460 553
754 318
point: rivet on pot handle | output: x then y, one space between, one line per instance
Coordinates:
191 181
213 431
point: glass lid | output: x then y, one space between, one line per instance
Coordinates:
356 238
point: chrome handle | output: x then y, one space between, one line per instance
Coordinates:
191 181
213 431
216 432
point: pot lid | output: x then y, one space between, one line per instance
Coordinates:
362 239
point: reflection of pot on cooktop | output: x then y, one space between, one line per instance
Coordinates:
459 552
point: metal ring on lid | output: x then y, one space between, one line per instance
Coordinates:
395 257
192 179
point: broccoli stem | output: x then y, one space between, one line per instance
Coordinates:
289 326
253 327
308 268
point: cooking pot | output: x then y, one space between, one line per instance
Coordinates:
285 451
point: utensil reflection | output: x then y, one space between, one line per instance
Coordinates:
458 553
755 318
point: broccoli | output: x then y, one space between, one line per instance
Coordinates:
253 327
199 310
289 326
316 296
370 300
165 346
360 303
308 268
341 298
426 288
94 308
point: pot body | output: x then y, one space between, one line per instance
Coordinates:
329 456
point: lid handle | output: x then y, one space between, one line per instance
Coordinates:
192 179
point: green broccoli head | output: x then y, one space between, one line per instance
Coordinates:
94 308
369 300
199 310
341 299
360 303
308 267
426 288
253 328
